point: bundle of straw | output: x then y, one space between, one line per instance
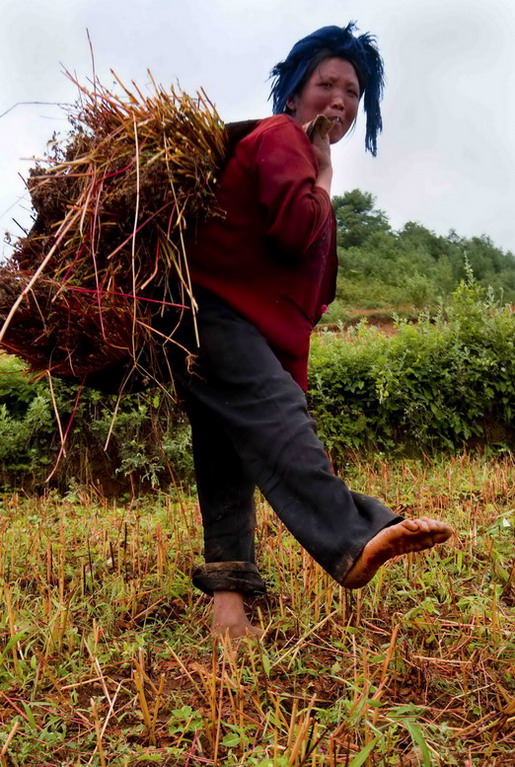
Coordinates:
106 255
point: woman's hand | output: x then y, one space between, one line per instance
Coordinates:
318 133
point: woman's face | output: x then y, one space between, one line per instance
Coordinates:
331 90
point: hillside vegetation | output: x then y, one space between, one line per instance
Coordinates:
445 384
412 267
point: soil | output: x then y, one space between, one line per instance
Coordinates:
381 318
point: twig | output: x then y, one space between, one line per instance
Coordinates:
38 272
56 410
63 443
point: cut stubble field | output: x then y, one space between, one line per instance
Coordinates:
107 658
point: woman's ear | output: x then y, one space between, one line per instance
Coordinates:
290 103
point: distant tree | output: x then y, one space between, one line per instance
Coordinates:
415 237
484 258
376 258
357 219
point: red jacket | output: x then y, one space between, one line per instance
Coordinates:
273 256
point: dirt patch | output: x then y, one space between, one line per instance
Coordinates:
382 318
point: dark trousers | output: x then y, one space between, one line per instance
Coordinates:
250 426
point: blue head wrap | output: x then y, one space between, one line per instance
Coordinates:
290 75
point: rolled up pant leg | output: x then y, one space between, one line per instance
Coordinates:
241 382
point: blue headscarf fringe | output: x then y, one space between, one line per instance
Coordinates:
362 53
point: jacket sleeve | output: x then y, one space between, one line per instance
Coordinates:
296 210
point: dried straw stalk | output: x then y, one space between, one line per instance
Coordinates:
106 254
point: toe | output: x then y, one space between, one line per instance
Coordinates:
423 524
445 532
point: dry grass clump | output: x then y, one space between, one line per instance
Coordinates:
105 256
106 657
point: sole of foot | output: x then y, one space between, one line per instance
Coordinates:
402 538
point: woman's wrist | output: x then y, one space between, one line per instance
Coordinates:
324 179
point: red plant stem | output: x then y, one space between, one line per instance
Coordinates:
122 170
13 704
63 441
79 254
126 295
140 227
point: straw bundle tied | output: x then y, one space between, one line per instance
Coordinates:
106 256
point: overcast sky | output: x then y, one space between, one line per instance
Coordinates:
446 157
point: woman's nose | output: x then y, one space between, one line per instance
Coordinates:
338 101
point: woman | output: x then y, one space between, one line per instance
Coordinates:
262 275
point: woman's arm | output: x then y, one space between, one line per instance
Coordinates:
292 188
322 148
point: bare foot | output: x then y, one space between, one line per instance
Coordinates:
229 617
408 535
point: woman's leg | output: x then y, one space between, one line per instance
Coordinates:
225 490
241 382
226 498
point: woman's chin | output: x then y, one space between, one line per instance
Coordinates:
336 134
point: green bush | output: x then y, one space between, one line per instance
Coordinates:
148 435
443 384
26 421
365 293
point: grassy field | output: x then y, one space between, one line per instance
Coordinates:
107 659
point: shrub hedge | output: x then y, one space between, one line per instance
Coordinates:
444 384
147 436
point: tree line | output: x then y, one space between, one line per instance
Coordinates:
380 267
